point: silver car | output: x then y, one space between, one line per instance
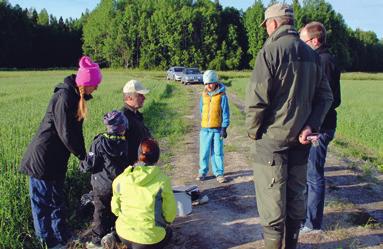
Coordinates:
191 75
174 73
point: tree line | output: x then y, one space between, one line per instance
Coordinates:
156 34
37 40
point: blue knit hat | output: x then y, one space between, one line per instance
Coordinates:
115 122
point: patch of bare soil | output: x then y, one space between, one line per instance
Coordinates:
354 204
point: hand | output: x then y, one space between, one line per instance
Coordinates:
303 135
223 133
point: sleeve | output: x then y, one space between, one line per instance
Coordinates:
169 207
200 104
322 101
332 72
116 202
335 84
92 160
68 128
225 111
257 96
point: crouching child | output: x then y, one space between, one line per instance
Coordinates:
143 201
107 158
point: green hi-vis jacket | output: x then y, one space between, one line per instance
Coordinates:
144 204
287 91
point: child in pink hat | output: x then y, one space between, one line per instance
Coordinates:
45 161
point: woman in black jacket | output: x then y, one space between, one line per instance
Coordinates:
46 158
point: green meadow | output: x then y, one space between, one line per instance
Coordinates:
360 115
24 97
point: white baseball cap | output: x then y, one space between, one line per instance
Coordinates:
134 86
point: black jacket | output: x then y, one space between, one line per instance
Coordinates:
107 158
60 134
333 76
136 133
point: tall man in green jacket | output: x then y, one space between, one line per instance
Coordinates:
287 99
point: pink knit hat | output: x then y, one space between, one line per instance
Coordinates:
89 73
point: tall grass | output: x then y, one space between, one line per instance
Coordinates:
24 97
360 123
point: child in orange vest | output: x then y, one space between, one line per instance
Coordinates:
215 118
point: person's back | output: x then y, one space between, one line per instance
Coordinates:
112 158
294 82
332 73
143 201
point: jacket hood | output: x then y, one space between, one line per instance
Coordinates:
70 84
141 174
113 145
220 89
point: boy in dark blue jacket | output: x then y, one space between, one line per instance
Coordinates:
107 158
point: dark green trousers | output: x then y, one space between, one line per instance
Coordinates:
280 186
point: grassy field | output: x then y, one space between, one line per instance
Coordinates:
24 97
360 122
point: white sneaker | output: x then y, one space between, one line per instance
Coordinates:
91 245
221 179
305 230
109 240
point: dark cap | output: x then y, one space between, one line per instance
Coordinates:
115 122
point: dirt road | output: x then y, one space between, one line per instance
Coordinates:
354 204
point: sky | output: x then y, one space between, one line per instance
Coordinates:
356 13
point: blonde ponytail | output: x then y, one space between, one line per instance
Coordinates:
82 109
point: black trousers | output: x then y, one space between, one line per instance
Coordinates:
103 218
159 245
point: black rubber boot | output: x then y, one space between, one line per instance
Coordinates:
292 233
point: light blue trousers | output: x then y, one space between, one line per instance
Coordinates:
211 146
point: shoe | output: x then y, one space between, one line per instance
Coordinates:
109 240
201 178
58 246
86 199
91 245
221 179
306 230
